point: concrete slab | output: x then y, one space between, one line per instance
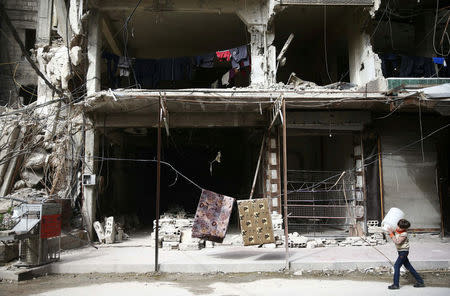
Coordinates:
140 259
21 274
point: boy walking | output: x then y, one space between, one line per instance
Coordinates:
400 238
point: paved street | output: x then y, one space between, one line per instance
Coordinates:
259 287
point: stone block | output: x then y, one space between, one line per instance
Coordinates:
167 246
189 246
171 238
110 231
8 252
311 244
209 244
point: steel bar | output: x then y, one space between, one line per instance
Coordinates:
320 206
317 217
158 187
380 174
363 174
257 166
286 232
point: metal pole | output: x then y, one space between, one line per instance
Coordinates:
363 175
158 187
380 173
257 166
286 232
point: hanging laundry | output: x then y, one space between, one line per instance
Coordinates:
205 61
212 216
416 67
226 78
224 55
238 55
440 61
256 222
124 66
215 84
112 62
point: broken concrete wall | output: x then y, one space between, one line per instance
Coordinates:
364 63
15 71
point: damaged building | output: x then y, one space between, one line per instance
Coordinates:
361 89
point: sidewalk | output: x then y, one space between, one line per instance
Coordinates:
423 256
136 256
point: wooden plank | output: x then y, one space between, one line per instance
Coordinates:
7 142
13 163
109 36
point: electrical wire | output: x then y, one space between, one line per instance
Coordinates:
434 34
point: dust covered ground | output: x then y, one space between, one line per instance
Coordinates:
319 283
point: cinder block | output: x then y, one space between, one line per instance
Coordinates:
172 238
189 246
167 246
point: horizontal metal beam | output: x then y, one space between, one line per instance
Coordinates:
182 120
328 2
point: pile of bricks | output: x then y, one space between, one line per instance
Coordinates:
175 233
297 241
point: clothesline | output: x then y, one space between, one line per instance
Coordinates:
152 160
149 72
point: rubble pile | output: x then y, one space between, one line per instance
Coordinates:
109 231
175 233
297 241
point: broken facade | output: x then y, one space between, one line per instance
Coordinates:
353 123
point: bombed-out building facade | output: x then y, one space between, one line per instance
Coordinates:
334 111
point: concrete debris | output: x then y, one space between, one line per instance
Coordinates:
98 227
175 233
110 231
32 177
311 244
25 194
19 185
8 252
209 244
76 55
7 222
277 221
37 159
297 241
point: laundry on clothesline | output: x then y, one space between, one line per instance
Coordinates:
226 78
256 222
224 55
212 216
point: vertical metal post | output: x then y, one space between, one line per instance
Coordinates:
380 173
158 185
363 175
286 232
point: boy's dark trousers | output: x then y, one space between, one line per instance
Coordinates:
403 260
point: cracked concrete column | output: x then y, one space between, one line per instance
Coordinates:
257 16
89 168
94 54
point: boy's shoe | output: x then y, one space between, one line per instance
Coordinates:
393 287
419 285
